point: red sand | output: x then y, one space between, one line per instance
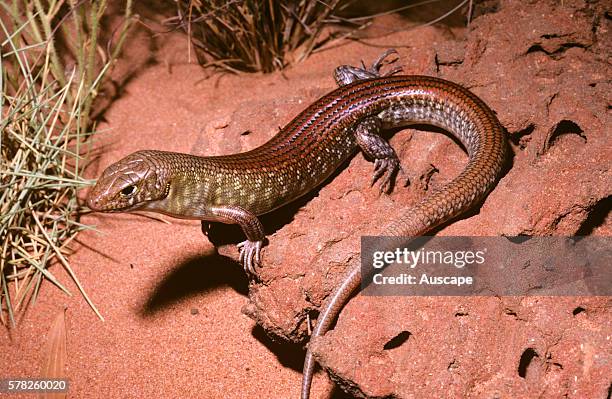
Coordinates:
148 278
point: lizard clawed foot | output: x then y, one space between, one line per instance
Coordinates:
386 169
380 61
345 74
250 256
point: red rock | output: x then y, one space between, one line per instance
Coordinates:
539 66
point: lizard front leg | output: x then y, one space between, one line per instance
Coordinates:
250 250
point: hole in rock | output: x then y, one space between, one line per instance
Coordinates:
526 365
397 341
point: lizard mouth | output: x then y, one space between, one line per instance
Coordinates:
127 208
94 204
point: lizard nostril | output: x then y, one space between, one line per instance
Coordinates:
92 203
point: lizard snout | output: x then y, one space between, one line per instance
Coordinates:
93 200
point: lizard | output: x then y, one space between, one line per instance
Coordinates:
238 188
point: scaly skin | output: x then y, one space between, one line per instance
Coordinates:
237 188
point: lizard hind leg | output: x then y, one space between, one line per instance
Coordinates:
345 74
374 146
367 132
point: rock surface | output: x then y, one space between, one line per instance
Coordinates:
544 68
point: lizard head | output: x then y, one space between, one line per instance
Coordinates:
129 184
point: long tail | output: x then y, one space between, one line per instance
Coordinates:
331 310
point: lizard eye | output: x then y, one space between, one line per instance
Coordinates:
128 191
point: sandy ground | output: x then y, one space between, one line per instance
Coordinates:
173 323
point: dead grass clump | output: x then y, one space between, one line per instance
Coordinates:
254 35
51 66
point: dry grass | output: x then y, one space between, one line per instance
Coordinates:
255 35
51 67
268 35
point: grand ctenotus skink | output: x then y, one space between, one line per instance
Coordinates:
237 188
